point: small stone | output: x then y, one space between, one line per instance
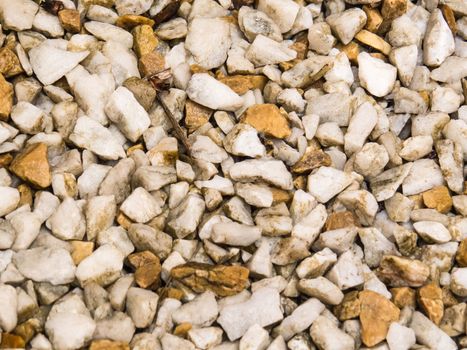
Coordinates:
267 118
461 255
32 165
143 91
400 272
341 219
393 8
429 334
327 335
438 42
346 24
311 159
141 305
327 182
211 93
430 298
147 268
403 296
255 338
9 63
374 18
321 288
200 312
253 23
453 322
130 21
349 307
400 337
265 51
431 231
9 304
270 171
242 83
6 98
370 68
371 39
144 40
458 283
222 280
283 13
151 63
80 250
12 341
9 199
70 20
376 315
196 115
243 140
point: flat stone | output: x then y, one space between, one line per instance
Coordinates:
32 165
270 171
222 280
242 83
130 21
151 63
147 268
376 315
429 334
403 296
144 40
267 118
349 307
438 42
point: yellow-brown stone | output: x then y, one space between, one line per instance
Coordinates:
372 40
144 40
279 196
373 18
182 329
11 341
151 63
70 20
147 269
174 293
221 279
242 83
6 98
402 272
5 159
393 8
349 307
301 48
105 344
80 250
268 119
430 298
403 296
299 182
449 299
32 165
438 198
417 199
311 159
196 115
25 195
9 63
27 330
352 50
128 22
123 220
340 219
461 255
376 315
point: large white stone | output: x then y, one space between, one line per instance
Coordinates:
375 75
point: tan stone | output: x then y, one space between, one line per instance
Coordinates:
32 165
430 298
393 8
372 40
340 219
403 296
11 341
301 47
438 198
352 50
221 279
376 315
402 272
174 293
105 344
9 63
27 330
299 182
123 220
449 299
280 196
242 83
311 159
5 159
6 98
151 63
144 40
182 329
132 149
129 22
195 68
461 255
373 18
269 119
143 91
417 199
147 269
196 115
80 250
70 20
349 307
25 195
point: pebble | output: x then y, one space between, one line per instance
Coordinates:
369 69
427 333
326 335
141 305
438 42
346 24
282 13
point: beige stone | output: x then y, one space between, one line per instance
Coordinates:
6 98
147 269
403 296
393 8
70 20
151 63
461 255
269 119
9 63
242 83
373 18
105 344
349 307
340 219
196 115
352 50
80 250
402 272
371 39
313 158
144 40
221 279
129 22
430 298
32 165
438 198
25 195
376 315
